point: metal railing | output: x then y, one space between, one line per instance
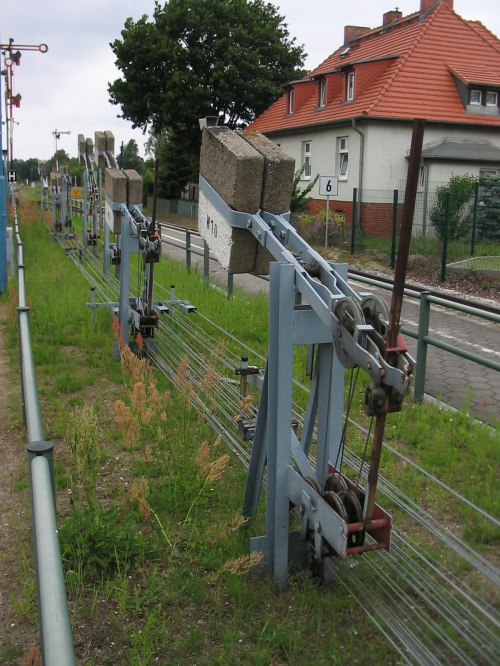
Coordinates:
424 341
56 641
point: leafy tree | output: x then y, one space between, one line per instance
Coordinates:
460 215
129 157
27 170
197 58
489 210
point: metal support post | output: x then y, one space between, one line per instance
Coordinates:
353 226
423 332
206 262
279 416
230 285
92 305
394 228
188 250
85 206
445 236
474 220
106 250
126 247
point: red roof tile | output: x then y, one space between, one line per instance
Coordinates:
402 71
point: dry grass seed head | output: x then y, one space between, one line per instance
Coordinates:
127 422
217 468
202 458
243 564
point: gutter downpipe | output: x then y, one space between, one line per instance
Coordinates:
360 175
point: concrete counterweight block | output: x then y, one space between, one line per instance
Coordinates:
82 148
54 179
234 169
110 142
115 187
277 185
134 187
100 147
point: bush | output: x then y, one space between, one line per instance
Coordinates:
461 189
312 228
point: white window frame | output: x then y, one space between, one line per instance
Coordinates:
307 159
322 94
495 96
343 157
350 86
477 92
290 100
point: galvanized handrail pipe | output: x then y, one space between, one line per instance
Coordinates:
55 626
424 340
56 641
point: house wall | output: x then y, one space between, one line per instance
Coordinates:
385 164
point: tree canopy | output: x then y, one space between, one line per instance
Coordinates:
197 58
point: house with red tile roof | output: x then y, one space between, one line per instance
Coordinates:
352 116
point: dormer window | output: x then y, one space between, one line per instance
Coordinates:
491 98
290 100
475 97
322 93
350 87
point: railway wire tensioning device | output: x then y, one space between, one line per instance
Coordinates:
134 234
245 189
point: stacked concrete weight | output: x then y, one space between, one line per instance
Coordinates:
121 187
115 188
277 186
248 172
100 148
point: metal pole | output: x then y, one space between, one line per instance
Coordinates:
327 219
423 332
3 212
188 250
55 627
206 262
445 235
353 228
474 220
396 303
394 228
230 285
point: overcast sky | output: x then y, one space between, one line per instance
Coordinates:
66 88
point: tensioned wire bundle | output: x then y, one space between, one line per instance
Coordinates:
429 613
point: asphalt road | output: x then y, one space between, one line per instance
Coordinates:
450 379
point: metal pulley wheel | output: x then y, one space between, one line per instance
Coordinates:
335 483
376 312
354 514
333 500
350 315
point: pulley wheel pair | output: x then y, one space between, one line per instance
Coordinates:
372 310
346 504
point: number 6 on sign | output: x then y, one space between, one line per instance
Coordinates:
329 186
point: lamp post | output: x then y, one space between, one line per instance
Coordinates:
12 54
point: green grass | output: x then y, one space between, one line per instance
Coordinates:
147 589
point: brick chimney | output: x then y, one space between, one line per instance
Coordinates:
351 30
427 4
390 16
